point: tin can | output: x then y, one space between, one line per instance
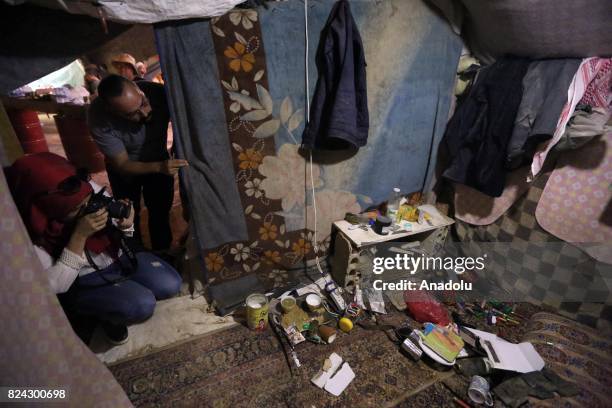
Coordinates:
257 311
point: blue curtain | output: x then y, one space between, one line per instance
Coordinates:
238 94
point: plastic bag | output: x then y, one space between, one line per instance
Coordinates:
423 307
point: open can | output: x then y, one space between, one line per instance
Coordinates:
257 311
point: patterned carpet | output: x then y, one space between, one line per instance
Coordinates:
438 395
241 368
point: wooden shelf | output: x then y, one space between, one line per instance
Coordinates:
360 237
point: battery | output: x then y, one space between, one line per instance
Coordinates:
412 349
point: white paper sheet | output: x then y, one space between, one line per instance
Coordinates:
503 355
321 378
485 335
340 381
522 358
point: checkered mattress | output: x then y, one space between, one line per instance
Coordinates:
529 264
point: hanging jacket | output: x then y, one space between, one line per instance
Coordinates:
477 136
339 110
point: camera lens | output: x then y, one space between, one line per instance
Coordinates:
117 209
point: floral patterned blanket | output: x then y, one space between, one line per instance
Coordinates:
236 86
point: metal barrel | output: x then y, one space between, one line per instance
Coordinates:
29 130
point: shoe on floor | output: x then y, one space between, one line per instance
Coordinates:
117 334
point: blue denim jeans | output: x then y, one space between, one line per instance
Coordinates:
128 301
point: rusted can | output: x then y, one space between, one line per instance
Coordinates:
257 311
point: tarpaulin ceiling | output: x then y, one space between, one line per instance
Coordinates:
141 11
532 28
35 41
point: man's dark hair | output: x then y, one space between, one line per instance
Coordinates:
111 87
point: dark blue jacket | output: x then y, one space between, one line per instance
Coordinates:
339 111
477 136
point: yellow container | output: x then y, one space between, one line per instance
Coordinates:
257 311
407 213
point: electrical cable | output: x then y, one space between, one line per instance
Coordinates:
312 184
335 293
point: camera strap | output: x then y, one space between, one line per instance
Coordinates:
99 272
127 251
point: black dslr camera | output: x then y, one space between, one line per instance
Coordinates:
116 209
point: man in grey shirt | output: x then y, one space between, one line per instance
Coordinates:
129 122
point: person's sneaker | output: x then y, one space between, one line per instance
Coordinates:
117 334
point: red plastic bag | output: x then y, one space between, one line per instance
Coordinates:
425 308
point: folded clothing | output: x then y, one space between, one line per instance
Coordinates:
543 384
585 124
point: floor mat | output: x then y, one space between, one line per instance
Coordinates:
238 367
175 320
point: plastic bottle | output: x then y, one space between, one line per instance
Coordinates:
393 203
